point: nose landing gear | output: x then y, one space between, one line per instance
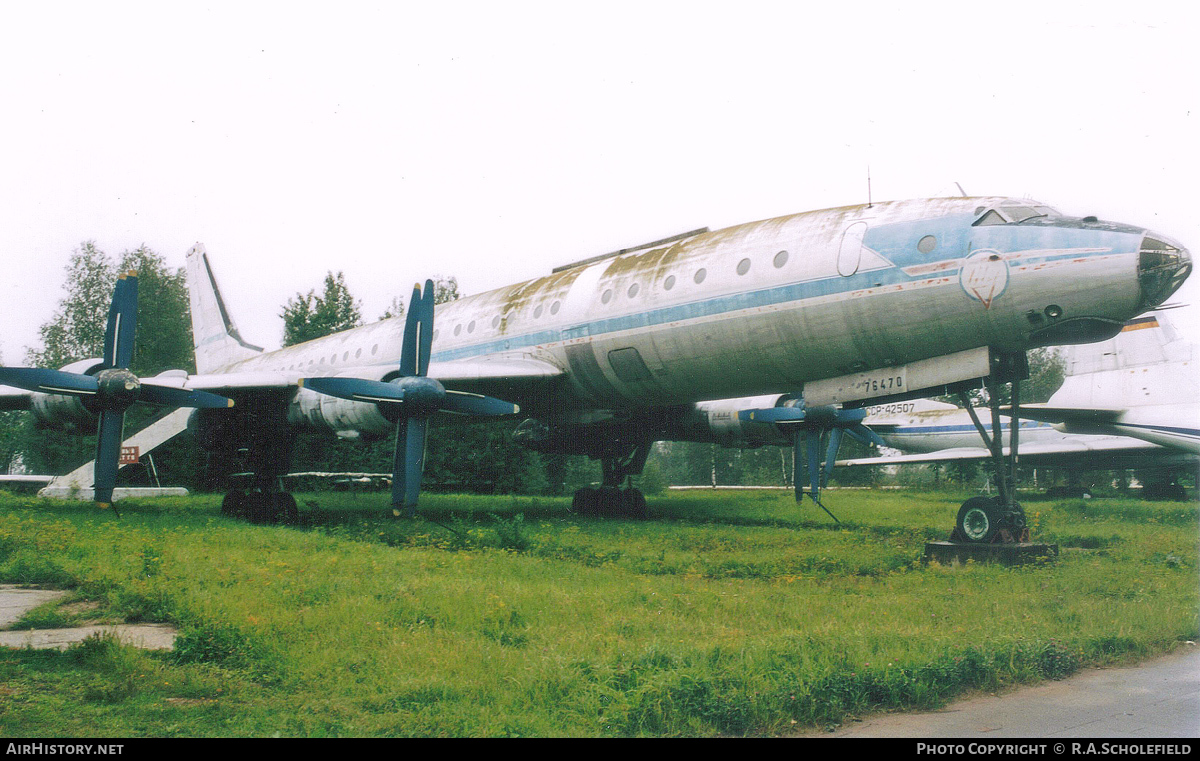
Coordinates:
998 519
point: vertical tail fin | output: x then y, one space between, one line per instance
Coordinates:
216 339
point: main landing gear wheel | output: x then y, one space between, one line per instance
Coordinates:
985 519
978 519
595 502
234 505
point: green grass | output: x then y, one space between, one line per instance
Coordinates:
727 613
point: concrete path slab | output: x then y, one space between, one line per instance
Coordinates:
1156 699
16 601
145 636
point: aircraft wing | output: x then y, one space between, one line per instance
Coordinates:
1068 415
14 398
1097 451
476 376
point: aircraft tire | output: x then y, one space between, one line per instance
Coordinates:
609 502
586 502
286 510
234 505
979 519
633 504
259 508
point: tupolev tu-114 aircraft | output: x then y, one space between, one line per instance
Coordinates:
788 324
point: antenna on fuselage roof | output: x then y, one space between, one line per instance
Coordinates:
868 186
960 190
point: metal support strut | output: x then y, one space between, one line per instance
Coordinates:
1000 518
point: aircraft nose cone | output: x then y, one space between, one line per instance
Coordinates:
1163 265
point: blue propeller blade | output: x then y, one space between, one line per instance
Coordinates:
477 404
378 392
355 389
851 416
865 435
835 443
169 396
108 451
412 323
49 381
425 345
812 446
408 463
797 458
122 323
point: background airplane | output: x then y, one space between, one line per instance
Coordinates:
881 301
1128 402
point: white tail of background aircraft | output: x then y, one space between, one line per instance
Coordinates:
1140 383
1127 402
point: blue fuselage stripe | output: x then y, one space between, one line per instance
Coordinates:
1188 432
734 302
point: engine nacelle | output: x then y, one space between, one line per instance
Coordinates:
67 413
716 422
344 417
719 422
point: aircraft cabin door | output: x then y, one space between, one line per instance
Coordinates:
850 251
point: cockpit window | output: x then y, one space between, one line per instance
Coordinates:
991 218
1022 213
1014 214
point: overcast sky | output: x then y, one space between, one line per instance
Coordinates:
493 141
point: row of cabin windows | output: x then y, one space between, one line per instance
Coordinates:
333 358
537 314
669 281
632 291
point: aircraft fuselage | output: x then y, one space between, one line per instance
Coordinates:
767 306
